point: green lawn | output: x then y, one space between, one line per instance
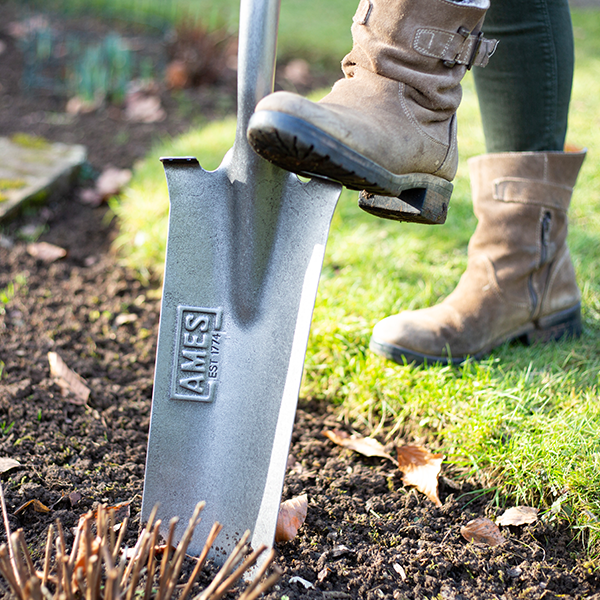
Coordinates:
525 422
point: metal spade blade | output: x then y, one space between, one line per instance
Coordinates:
244 255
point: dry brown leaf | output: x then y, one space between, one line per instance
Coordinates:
112 181
482 531
292 514
124 319
363 445
421 469
68 380
176 75
35 504
141 108
518 515
46 252
77 105
6 464
90 197
297 72
82 559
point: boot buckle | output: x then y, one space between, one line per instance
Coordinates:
476 47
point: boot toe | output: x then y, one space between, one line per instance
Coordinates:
405 339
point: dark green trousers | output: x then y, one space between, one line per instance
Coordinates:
525 89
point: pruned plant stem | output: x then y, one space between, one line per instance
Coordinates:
90 571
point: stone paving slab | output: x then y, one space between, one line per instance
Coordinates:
32 170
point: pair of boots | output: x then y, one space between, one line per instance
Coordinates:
390 123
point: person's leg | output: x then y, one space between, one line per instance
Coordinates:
520 280
524 92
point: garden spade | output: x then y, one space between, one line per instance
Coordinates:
244 255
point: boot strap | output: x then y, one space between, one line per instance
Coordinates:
531 191
462 48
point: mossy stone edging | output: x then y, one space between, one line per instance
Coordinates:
33 172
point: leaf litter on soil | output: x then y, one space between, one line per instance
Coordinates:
420 468
68 380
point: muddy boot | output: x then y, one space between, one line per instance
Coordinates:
519 282
390 125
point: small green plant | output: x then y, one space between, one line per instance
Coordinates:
6 428
102 71
7 294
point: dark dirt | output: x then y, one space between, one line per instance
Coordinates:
365 537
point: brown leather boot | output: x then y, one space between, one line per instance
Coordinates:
519 282
394 113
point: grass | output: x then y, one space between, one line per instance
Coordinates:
525 422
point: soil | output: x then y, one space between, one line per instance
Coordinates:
365 537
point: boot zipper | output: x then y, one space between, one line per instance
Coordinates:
546 220
544 239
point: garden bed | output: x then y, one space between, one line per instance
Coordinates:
365 537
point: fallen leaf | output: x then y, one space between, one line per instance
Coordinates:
400 570
307 584
340 550
77 105
482 531
421 469
176 75
363 445
82 555
35 504
90 197
68 380
112 181
141 108
6 464
46 252
297 72
292 514
518 515
123 319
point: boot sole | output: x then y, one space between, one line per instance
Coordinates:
561 325
298 146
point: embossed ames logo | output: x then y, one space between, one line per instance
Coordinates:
197 353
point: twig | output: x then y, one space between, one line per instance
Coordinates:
21 573
47 555
7 529
6 567
262 587
165 559
255 583
152 561
231 580
229 565
212 536
21 542
180 551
